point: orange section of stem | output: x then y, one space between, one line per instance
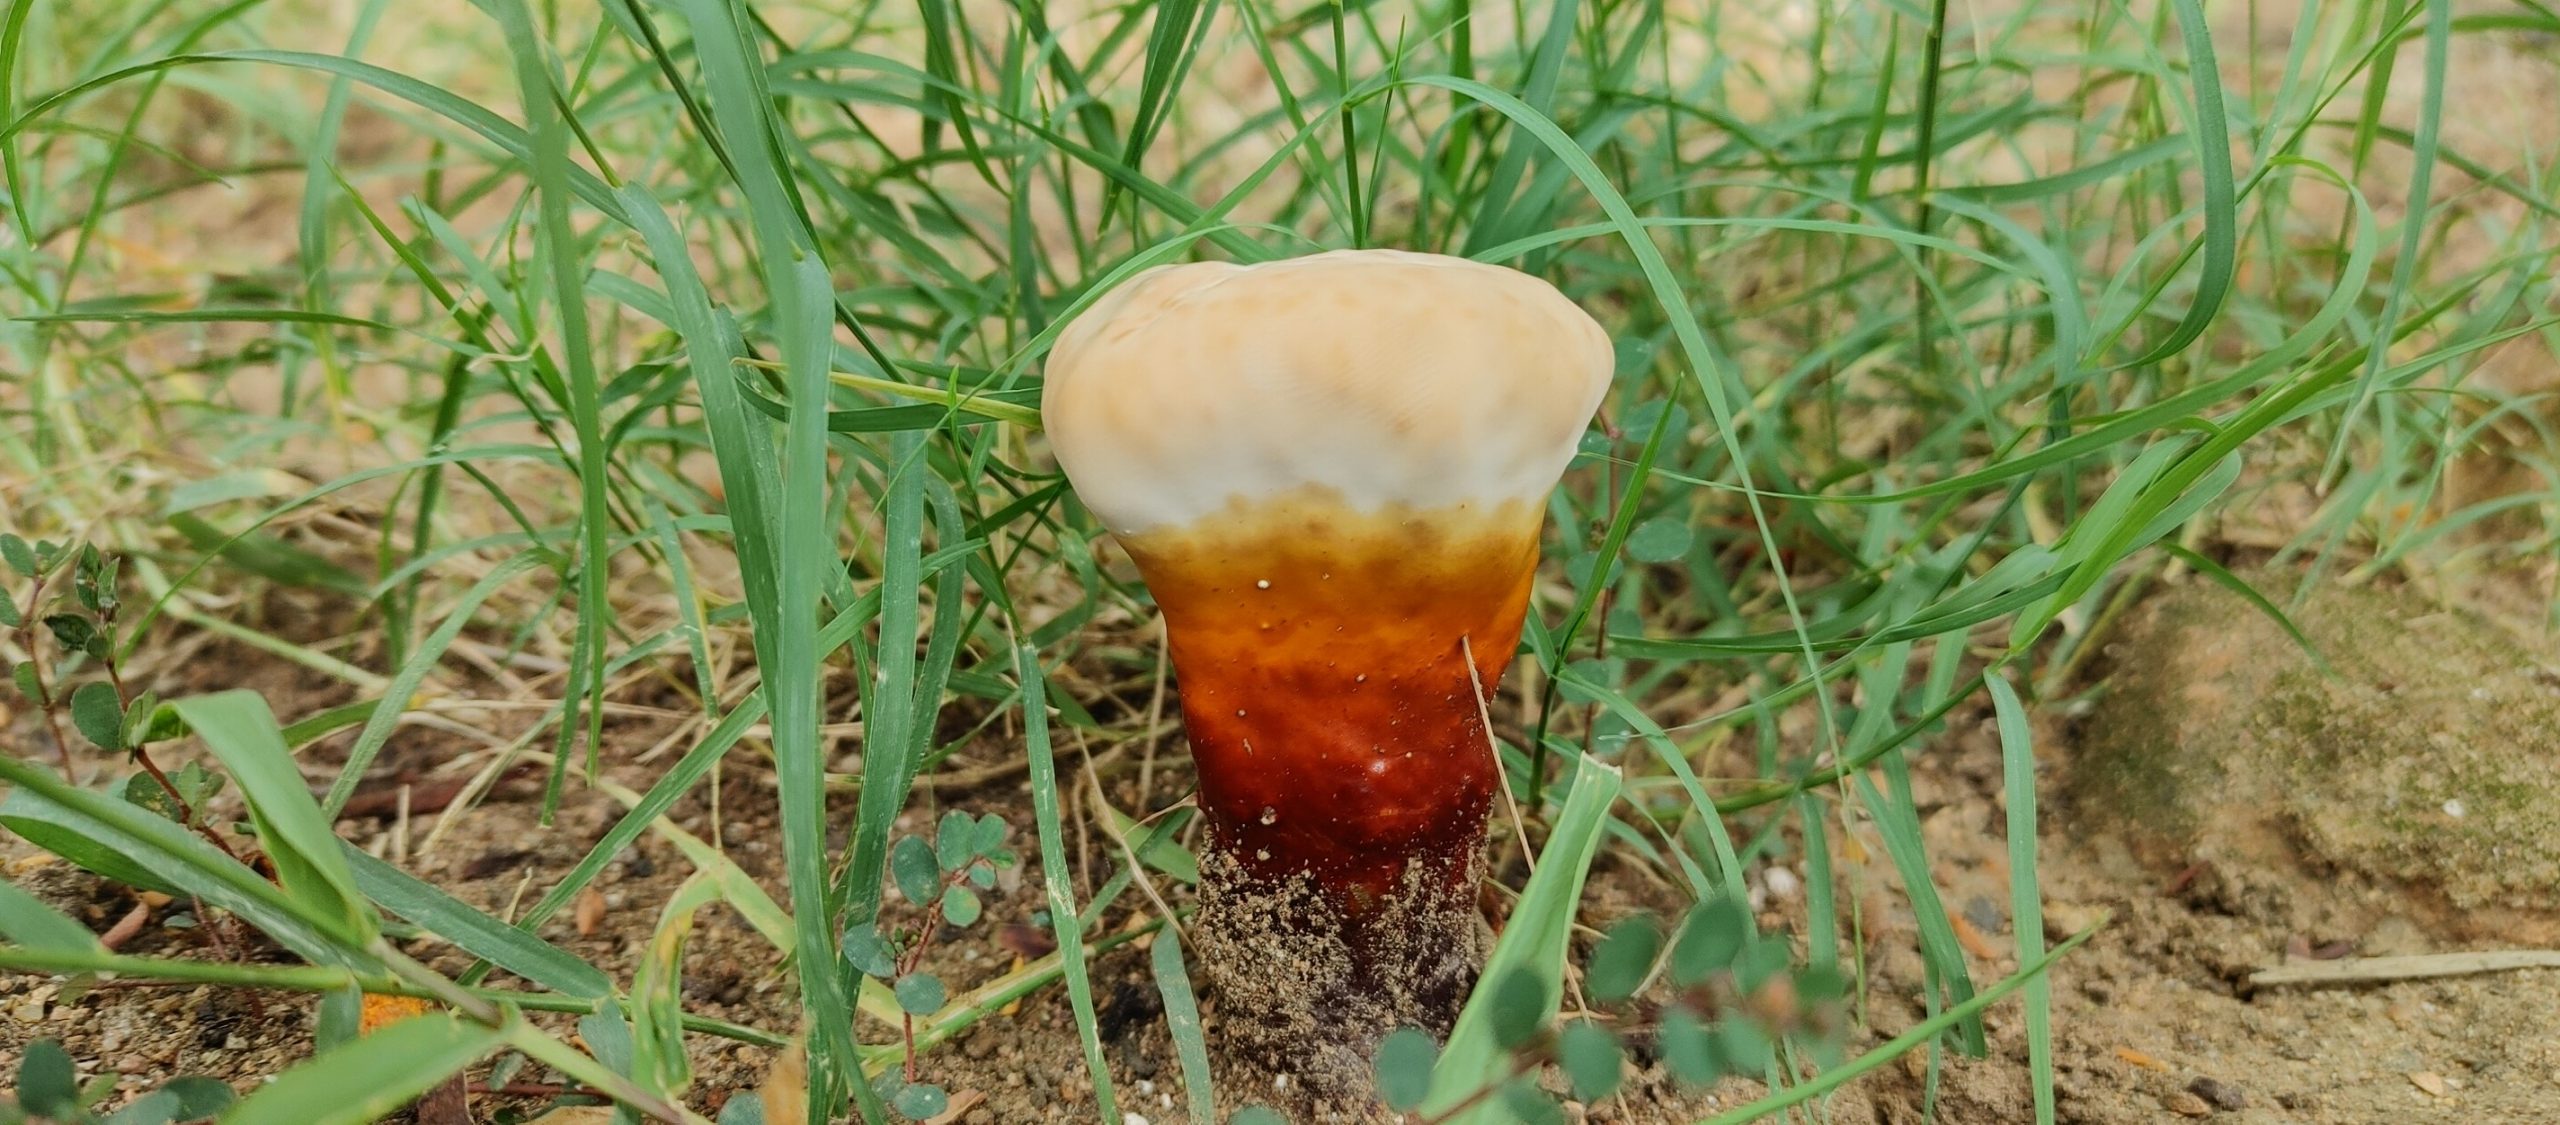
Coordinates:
1320 655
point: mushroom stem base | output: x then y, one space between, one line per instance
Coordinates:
1313 985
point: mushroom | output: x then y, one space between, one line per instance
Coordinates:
1331 472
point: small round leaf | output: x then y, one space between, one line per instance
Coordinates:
911 863
198 1097
99 713
919 994
1519 1007
1591 1059
1709 939
864 950
21 558
919 1101
1689 1051
1762 960
1621 960
1404 1062
1820 984
960 906
1746 1048
746 1107
46 1084
1659 540
952 838
1530 1105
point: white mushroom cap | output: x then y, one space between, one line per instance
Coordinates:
1384 377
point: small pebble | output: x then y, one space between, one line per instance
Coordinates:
2222 1095
2429 1081
1782 882
1985 915
2185 1104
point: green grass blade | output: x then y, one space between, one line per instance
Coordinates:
368 1079
242 732
1182 1022
564 266
413 672
1054 876
2026 904
27 921
1536 941
474 932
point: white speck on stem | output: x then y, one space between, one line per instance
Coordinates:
1261 583
1239 712
1362 678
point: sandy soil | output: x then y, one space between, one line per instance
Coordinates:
2154 1018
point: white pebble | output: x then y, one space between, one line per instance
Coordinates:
1783 883
1132 1119
2453 808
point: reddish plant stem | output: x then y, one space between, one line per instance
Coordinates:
914 959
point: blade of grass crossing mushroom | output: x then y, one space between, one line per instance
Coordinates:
1728 877
2026 907
1054 876
1182 1022
1536 942
1708 369
566 269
